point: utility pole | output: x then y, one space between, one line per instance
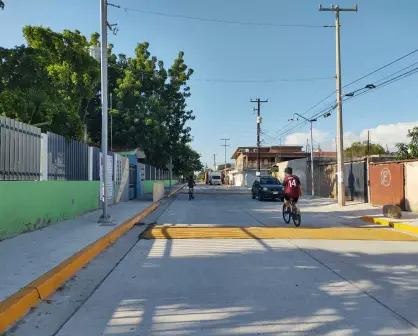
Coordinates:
225 145
214 162
258 101
368 142
340 144
311 121
111 122
105 218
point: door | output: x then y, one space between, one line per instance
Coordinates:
132 181
355 179
387 184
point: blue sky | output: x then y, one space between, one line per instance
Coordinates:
380 32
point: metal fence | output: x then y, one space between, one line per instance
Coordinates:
67 159
96 164
20 148
154 174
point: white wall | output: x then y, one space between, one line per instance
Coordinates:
299 167
157 191
411 186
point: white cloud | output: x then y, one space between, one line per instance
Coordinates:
389 134
319 136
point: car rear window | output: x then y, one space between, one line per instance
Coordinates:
269 180
216 177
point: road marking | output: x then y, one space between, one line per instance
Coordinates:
179 232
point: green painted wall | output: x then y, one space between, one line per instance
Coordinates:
30 205
148 185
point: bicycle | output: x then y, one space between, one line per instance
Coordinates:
191 196
292 212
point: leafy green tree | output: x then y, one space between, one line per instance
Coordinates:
187 161
55 84
50 82
408 151
1 4
151 109
361 148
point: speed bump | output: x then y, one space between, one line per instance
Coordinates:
182 232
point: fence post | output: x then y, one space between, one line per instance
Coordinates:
44 157
90 163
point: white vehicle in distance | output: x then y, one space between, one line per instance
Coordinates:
215 178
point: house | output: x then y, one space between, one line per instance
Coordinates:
245 158
134 173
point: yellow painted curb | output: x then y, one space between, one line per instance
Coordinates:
187 232
176 190
16 305
394 225
220 193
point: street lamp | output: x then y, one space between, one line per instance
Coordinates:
312 149
104 218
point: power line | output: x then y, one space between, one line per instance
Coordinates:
260 80
242 23
364 88
381 68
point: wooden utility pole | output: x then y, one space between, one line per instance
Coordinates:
258 101
340 144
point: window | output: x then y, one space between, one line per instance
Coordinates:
269 180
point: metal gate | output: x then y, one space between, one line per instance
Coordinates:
387 184
355 179
132 181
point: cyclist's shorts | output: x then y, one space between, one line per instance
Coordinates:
287 198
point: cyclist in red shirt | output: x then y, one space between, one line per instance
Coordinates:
292 186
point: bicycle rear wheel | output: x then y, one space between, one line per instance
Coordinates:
296 216
286 214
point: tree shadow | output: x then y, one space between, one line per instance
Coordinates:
257 287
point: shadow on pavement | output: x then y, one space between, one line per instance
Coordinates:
257 287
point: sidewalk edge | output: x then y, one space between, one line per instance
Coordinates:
175 191
392 224
17 305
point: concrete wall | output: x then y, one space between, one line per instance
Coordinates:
148 185
299 167
158 191
411 186
30 205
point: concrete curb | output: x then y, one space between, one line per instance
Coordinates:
394 225
16 305
175 191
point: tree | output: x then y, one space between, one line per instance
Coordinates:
49 82
151 105
187 161
54 83
1 4
362 148
408 151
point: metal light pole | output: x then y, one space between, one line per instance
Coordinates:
312 149
111 123
340 145
104 218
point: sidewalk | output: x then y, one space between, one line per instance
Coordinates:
356 210
26 257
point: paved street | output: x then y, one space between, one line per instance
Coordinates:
249 286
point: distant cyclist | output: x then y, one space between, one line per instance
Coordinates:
292 187
191 183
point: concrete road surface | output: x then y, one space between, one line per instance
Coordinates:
246 286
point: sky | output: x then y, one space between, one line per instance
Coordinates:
235 63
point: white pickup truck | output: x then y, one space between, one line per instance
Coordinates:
215 178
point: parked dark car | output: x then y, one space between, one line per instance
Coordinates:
267 187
